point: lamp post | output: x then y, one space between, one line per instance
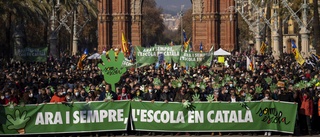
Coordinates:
53 39
303 25
304 32
75 37
181 15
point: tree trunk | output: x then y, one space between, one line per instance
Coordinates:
8 50
316 27
45 36
280 30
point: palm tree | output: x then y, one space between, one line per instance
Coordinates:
88 8
16 12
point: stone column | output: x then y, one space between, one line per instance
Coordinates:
275 38
305 51
276 47
258 43
75 37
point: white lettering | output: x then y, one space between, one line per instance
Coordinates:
165 117
219 117
156 114
150 117
39 119
233 117
143 115
112 116
103 115
120 114
199 116
76 117
58 118
180 117
248 117
210 120
49 117
226 114
67 117
93 117
190 116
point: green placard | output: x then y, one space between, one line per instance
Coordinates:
194 59
150 55
30 54
112 69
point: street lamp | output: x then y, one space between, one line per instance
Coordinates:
181 15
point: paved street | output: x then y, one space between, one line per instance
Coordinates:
166 135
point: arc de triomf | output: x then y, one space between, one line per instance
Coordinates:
213 23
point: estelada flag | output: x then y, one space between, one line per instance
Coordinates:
263 48
249 64
81 59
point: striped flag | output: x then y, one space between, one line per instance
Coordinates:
249 64
297 54
186 45
81 59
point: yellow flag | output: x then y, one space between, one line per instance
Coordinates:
186 45
263 48
298 56
124 47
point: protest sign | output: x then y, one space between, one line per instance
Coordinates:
29 54
147 116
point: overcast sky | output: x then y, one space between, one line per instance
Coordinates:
173 5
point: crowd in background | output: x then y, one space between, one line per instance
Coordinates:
60 81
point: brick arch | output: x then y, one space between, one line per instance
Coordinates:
212 24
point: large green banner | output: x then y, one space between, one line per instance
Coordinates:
31 54
194 59
64 118
146 56
209 117
150 55
147 116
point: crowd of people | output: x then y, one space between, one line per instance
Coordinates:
60 81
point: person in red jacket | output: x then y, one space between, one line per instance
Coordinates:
58 97
306 110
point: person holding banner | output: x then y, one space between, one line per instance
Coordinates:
267 97
124 94
58 97
10 99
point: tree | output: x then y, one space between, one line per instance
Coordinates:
13 12
316 27
186 24
152 23
243 34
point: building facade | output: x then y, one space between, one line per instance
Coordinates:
214 24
